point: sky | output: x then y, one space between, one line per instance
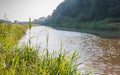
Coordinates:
21 10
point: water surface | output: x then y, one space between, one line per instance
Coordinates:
98 54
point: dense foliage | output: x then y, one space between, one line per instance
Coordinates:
85 10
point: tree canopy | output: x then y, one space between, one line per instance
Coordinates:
84 11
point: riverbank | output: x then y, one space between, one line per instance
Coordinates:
100 33
104 28
11 33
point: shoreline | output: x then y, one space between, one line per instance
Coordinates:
101 33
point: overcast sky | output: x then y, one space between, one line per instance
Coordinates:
21 10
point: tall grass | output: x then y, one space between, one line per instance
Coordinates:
10 34
26 61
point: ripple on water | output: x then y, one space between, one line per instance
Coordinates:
101 55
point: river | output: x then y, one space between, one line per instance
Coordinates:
99 55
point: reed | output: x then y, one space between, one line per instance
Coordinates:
26 61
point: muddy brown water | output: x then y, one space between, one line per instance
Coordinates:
96 54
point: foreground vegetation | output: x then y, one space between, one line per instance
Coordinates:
25 60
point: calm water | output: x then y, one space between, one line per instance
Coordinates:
100 55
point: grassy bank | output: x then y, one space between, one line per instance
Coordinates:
107 28
11 33
25 60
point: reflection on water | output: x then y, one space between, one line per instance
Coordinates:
101 55
111 54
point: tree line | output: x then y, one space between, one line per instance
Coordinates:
83 11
